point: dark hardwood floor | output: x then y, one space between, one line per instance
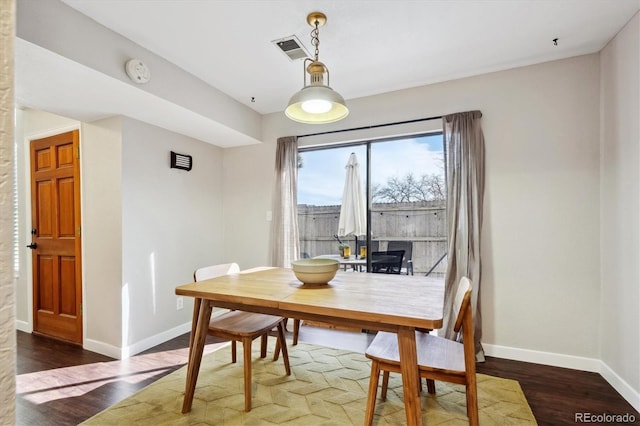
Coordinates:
62 384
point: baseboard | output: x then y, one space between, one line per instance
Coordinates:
568 361
159 338
155 340
23 326
142 345
631 395
545 358
128 351
102 348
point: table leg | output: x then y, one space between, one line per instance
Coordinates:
194 321
195 354
410 375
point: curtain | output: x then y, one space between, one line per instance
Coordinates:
465 190
285 240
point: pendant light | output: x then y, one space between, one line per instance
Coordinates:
316 103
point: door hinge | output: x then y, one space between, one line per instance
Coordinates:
79 233
78 152
81 309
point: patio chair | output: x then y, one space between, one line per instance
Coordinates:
438 358
387 262
407 246
240 326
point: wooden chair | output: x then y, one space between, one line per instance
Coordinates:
240 326
438 358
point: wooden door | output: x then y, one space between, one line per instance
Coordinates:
55 213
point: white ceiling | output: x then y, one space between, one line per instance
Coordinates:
370 47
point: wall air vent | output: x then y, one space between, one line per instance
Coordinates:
292 47
181 161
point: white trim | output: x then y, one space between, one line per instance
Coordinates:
631 395
24 326
545 358
155 340
142 345
364 135
53 132
593 365
102 348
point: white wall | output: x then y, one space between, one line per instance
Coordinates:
101 182
620 210
171 225
540 243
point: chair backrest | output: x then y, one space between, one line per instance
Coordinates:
407 246
462 302
398 258
464 320
388 261
214 271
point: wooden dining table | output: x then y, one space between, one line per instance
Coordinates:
394 303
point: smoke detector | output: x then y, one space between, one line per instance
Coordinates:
137 71
292 47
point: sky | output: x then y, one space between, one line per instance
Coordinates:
321 178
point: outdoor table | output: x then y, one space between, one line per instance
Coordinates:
351 261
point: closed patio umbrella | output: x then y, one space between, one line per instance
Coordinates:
353 215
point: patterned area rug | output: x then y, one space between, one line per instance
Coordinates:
327 387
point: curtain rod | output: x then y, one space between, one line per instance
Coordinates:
373 126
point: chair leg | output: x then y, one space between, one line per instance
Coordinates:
373 393
385 384
246 349
283 346
263 346
431 386
472 403
233 352
296 331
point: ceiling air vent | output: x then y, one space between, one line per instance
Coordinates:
291 47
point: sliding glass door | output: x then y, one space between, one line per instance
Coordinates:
404 185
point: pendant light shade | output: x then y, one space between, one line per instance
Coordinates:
316 103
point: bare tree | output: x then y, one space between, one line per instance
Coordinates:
434 187
408 189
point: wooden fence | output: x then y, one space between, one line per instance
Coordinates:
424 223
